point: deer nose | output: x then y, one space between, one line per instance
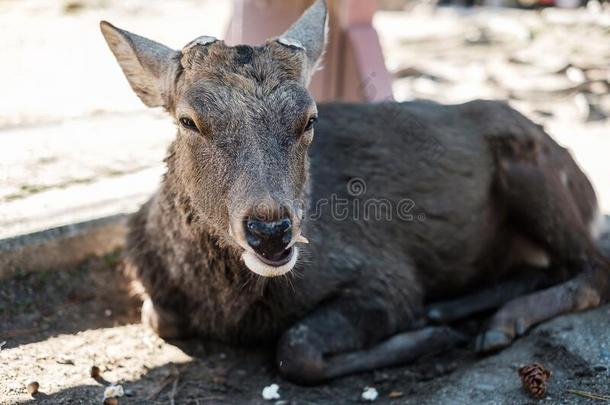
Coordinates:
269 239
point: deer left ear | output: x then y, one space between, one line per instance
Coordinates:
147 64
309 33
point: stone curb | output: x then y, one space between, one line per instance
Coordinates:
62 247
67 246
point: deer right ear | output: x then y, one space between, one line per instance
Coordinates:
309 33
146 64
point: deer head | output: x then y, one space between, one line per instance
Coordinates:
245 120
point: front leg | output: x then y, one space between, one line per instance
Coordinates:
486 299
165 322
349 336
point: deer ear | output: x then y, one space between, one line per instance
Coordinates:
146 64
309 32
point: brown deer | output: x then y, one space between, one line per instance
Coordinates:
469 198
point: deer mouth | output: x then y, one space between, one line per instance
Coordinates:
271 266
278 259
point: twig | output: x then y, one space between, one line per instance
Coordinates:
211 398
590 395
20 332
172 378
172 393
166 381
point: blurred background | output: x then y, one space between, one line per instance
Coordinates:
78 149
76 143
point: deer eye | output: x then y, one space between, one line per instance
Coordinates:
188 123
310 124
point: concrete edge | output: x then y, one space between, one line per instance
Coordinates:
66 246
62 247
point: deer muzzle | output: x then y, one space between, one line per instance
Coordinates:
270 239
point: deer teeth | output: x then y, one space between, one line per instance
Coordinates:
297 239
301 239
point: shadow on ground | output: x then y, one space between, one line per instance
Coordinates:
58 325
35 306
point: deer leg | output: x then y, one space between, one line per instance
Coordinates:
520 314
345 338
540 193
164 322
399 349
485 300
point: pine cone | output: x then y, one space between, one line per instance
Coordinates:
534 378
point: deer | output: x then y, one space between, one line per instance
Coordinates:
244 242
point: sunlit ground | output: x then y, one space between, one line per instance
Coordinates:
76 143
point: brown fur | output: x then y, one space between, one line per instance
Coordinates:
481 176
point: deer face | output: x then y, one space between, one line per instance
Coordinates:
245 120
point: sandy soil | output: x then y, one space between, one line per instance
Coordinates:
63 87
56 326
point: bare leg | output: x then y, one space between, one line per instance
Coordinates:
343 338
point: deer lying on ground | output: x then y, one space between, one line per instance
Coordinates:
487 191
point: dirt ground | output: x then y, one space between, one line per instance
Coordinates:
76 143
56 326
553 65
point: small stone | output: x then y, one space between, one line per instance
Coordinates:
485 387
395 394
575 74
14 386
95 372
111 401
65 360
369 394
381 377
114 391
33 388
271 392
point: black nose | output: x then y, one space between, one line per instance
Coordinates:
269 239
